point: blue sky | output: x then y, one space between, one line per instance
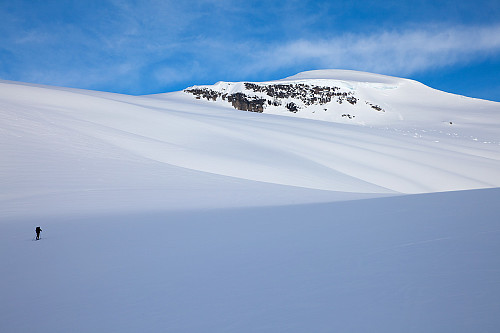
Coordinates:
151 46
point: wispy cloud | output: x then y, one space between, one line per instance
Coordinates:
393 52
400 53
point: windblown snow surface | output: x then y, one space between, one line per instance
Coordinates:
167 213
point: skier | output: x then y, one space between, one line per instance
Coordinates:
38 230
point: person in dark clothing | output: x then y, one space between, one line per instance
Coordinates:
38 230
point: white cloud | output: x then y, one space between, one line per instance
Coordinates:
394 52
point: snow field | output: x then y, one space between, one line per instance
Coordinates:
166 213
420 263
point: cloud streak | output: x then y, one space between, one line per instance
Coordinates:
393 52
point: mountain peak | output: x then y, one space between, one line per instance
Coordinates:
331 95
346 96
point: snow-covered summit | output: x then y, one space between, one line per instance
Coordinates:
352 97
344 75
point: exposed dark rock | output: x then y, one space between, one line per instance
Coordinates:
242 102
292 107
348 115
278 95
308 94
376 107
204 93
352 100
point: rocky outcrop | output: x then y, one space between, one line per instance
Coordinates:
239 101
375 107
308 94
292 107
205 93
245 103
255 97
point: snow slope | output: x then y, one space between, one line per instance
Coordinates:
59 142
418 263
168 213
